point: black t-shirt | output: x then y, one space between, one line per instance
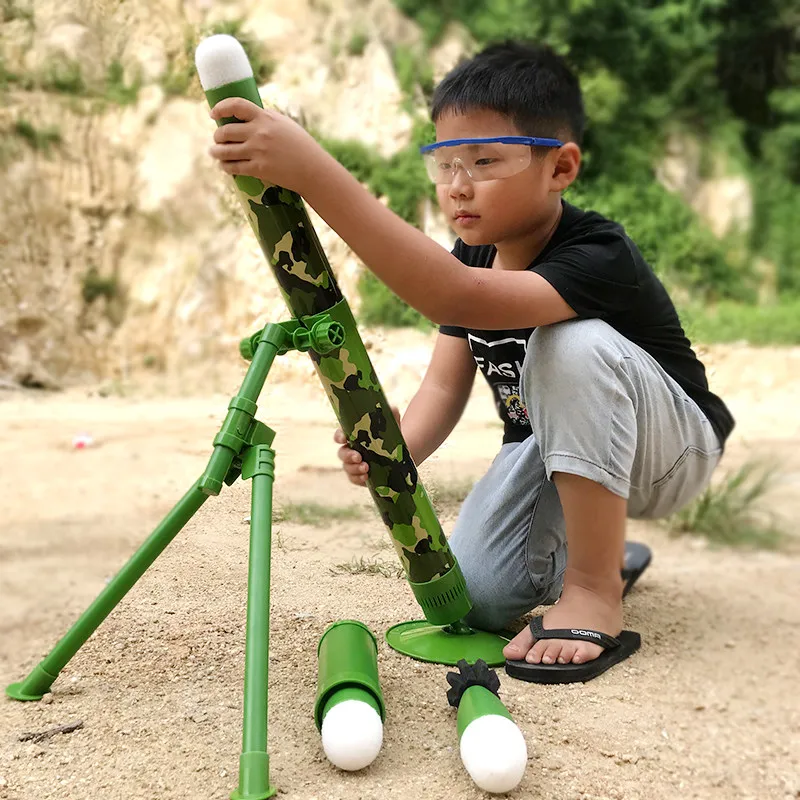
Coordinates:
601 274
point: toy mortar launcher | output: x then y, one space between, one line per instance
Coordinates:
323 326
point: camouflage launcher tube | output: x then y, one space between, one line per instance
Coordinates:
283 229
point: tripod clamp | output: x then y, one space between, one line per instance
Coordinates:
240 429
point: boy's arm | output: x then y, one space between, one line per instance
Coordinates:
433 411
424 274
441 398
270 146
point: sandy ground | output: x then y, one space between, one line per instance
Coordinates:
707 709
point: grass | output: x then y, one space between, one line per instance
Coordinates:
64 78
775 324
181 78
448 496
93 285
117 90
42 139
730 512
368 566
316 514
382 542
358 43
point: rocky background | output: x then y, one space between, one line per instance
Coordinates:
122 247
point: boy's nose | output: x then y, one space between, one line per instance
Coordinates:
461 185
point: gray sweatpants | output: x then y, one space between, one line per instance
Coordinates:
600 407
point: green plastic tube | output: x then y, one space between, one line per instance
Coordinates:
348 669
284 231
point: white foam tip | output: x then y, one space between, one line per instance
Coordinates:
494 753
221 59
352 735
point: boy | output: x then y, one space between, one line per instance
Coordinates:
606 408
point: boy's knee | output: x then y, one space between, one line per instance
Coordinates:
570 345
567 354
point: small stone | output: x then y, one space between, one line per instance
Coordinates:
47 699
3 782
730 644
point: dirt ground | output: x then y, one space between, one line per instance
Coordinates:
707 709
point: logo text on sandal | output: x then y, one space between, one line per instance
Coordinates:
585 633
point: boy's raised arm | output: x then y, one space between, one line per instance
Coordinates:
424 274
274 148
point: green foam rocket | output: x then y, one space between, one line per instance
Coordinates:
492 747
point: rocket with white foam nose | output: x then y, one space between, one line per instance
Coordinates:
492 747
349 710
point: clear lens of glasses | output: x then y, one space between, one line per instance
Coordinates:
482 162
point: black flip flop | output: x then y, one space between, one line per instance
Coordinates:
617 648
637 559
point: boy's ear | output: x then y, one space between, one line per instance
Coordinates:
566 165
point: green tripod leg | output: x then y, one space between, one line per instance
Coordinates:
238 431
258 464
44 674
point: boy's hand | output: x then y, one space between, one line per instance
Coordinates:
265 145
354 466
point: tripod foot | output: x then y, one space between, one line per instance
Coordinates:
253 777
34 687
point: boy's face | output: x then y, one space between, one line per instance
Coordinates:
493 211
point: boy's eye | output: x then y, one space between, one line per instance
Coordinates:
444 166
485 162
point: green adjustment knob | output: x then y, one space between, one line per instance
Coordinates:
247 348
327 336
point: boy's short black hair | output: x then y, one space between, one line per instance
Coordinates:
530 83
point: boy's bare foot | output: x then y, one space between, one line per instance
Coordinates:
581 607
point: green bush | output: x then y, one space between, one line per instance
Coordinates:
95 286
679 247
64 78
358 43
413 71
117 90
42 139
380 306
706 67
777 324
403 181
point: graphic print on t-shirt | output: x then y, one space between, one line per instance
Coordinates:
500 361
508 394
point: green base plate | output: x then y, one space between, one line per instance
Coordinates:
425 642
14 691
